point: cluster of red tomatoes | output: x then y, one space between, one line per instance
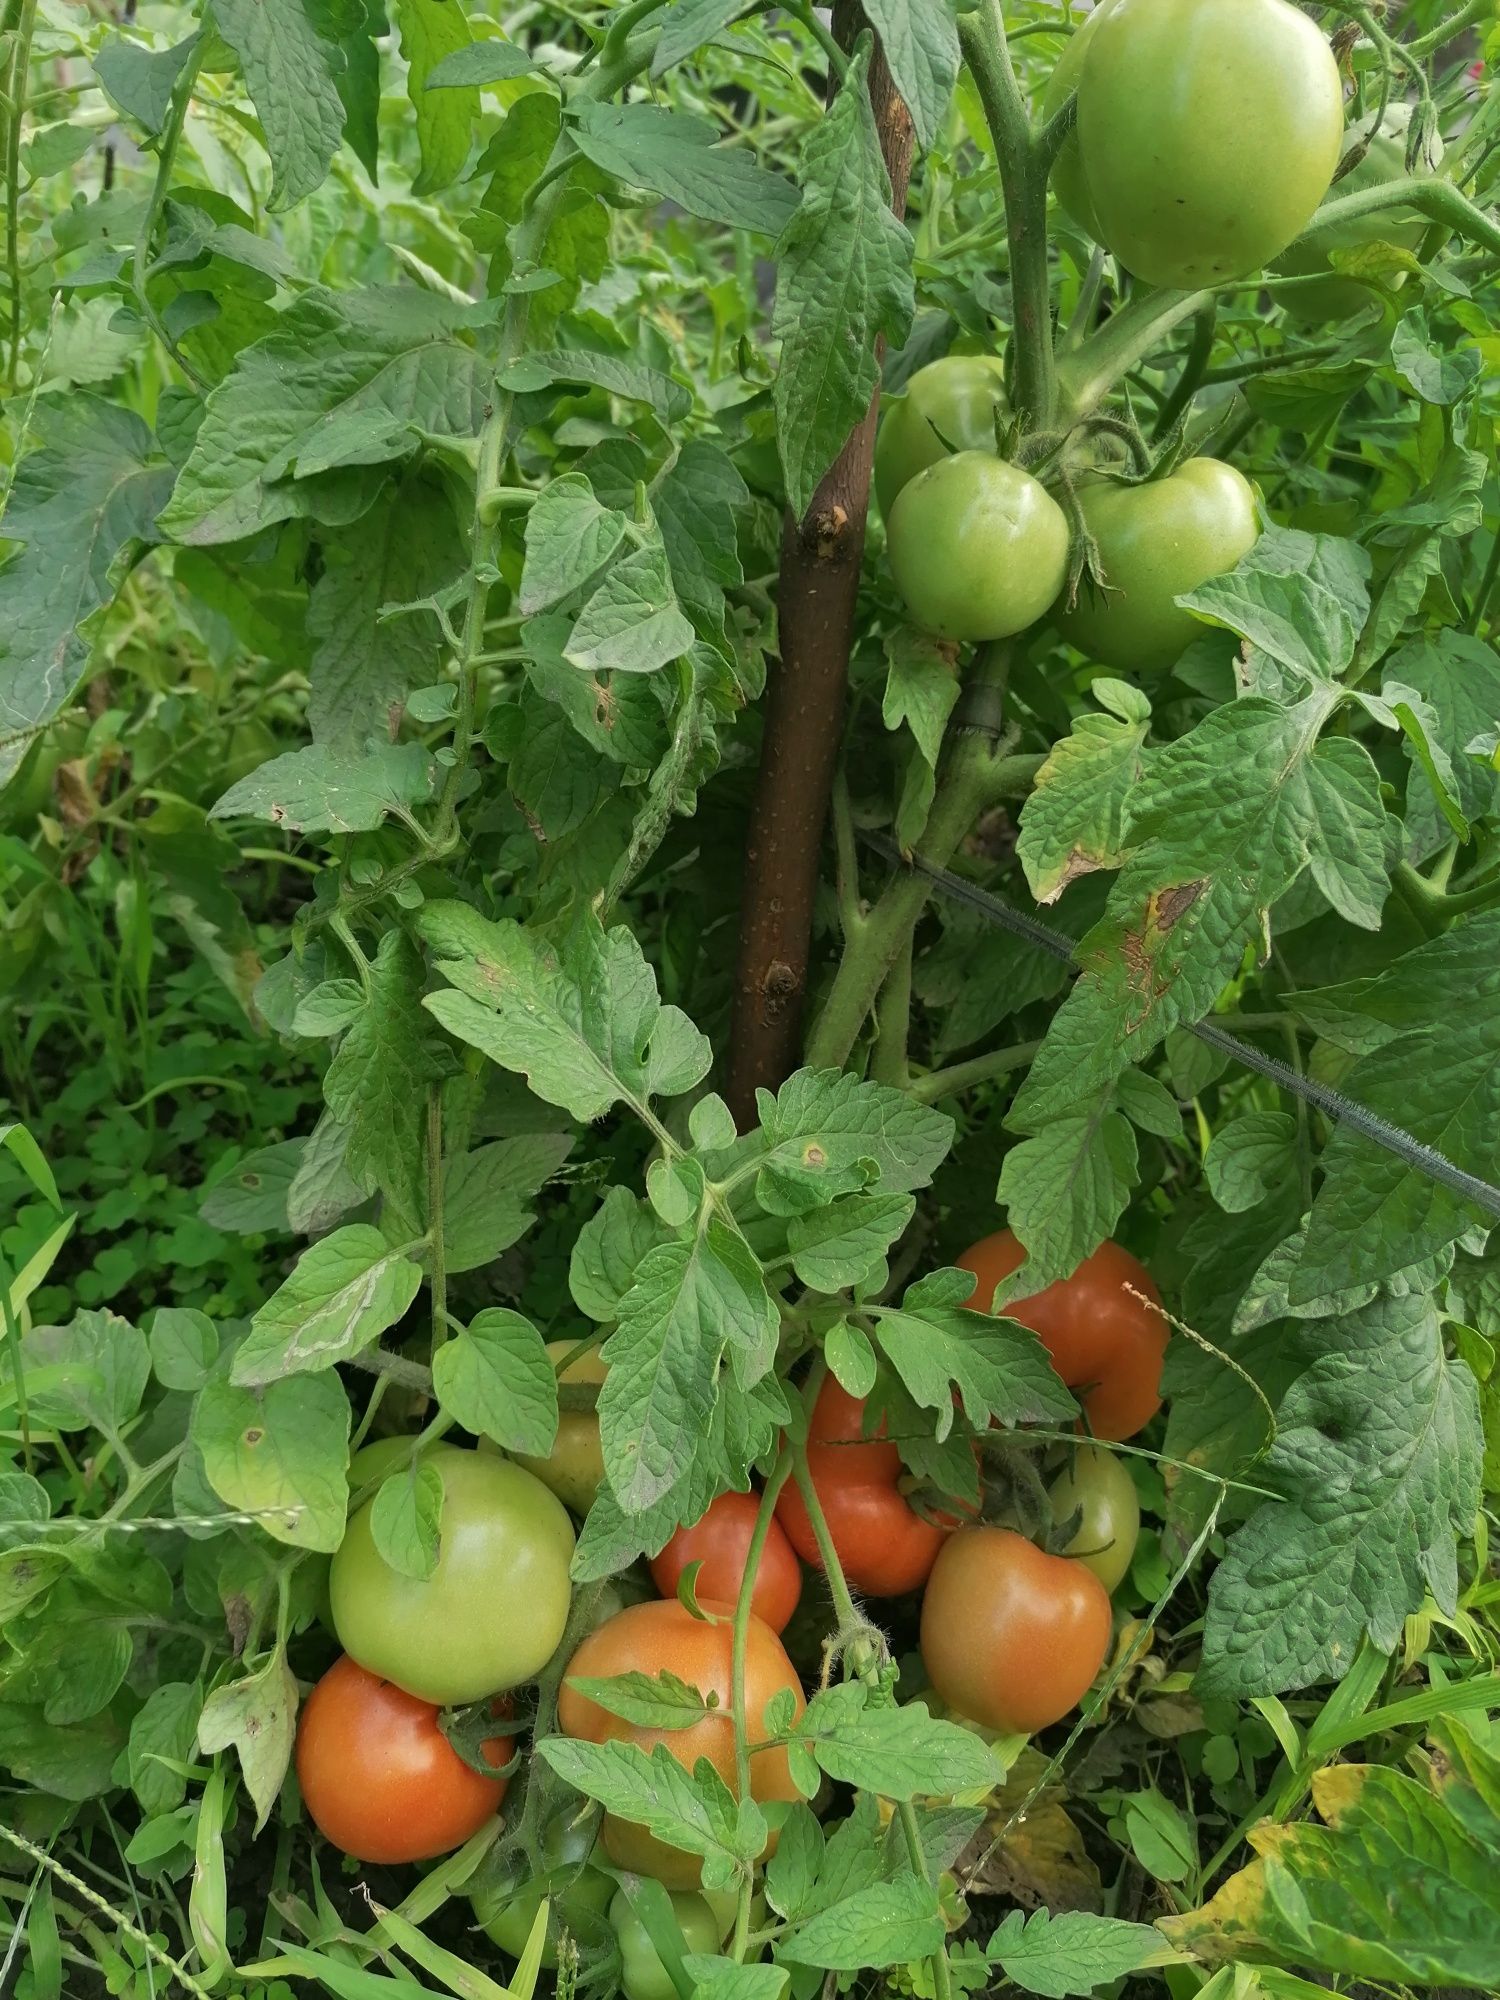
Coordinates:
1011 1635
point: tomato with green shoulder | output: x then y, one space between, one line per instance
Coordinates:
1157 542
948 406
703 1919
978 548
1207 133
492 1612
1096 1487
574 1468
579 1894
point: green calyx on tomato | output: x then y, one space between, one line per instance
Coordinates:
702 1925
1207 133
379 1778
948 406
493 1610
1156 542
579 1893
1095 1489
1101 1328
574 1468
978 548
1330 294
1011 1637
884 1546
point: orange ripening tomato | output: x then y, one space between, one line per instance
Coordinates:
665 1637
720 1541
379 1778
1011 1637
1104 1342
884 1546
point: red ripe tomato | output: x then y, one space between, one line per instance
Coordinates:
1011 1637
883 1545
720 1541
665 1637
378 1776
1103 1341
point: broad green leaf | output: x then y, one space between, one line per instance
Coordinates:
487 1195
889 1923
919 39
1458 676
607 1253
619 374
899 1753
554 776
193 861
617 715
292 72
692 1300
1074 819
489 61
843 278
999 1369
677 155
1378 1454
258 1715
343 1293
322 1188
433 33
824 1130
577 241
377 1084
690 1810
75 1762
653 1701
837 1246
281 1454
580 1020
1069 1956
95 1371
632 624
141 80
319 789
1249 1157
496 1379
686 25
1302 599
1394 1889
390 355
82 502
920 690
1222 824
163 1732
251 1197
1065 1188
569 539
406 1520
184 1346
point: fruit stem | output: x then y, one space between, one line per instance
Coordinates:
742 1607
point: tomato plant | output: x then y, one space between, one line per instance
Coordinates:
661 660
1101 1326
884 1546
493 1609
1011 1637
379 1778
720 1543
666 1638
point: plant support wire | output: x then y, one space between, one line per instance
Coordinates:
1333 1103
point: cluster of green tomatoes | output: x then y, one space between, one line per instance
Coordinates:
1207 134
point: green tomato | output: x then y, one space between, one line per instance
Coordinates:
947 406
580 1893
643 1975
491 1614
1341 297
978 548
574 1468
1068 182
1096 1485
1155 542
1208 132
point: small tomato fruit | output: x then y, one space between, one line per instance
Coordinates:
978 548
574 1468
1094 1485
950 405
720 1541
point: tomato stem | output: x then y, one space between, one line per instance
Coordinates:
742 1607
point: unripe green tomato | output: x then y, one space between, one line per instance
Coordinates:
947 406
643 1975
1068 182
574 1467
1340 297
580 1894
1208 132
492 1612
979 549
1156 542
1096 1485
